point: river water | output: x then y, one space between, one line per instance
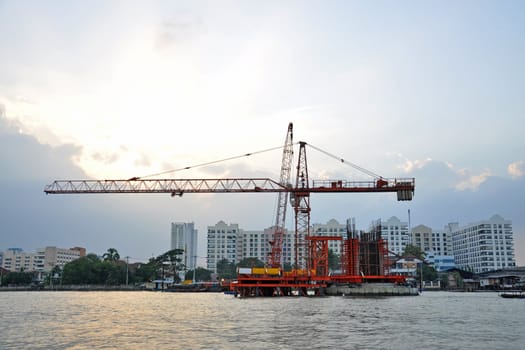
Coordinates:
155 320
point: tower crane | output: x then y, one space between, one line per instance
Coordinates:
299 193
286 166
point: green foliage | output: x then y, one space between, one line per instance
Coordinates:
144 273
111 255
201 274
54 276
91 270
250 262
334 260
429 273
443 278
169 261
112 271
226 269
18 278
414 251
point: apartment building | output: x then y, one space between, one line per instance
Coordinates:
235 244
222 244
184 236
484 245
44 259
396 233
331 228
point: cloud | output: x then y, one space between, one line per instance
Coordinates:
411 165
516 169
178 30
471 181
443 174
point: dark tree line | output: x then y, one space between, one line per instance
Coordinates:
113 271
110 270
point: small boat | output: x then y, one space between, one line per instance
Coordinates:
514 294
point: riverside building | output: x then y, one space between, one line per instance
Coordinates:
396 233
484 245
331 228
184 236
437 246
44 259
222 244
429 240
235 244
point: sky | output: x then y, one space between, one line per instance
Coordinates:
116 89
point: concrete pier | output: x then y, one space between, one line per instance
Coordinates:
371 289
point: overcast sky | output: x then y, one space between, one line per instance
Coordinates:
110 89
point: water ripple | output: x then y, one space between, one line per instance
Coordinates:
138 320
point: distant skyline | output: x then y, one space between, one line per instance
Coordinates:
430 90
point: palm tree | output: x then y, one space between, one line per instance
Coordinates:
111 255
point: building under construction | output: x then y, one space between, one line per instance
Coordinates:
364 258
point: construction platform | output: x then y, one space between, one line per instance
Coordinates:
271 282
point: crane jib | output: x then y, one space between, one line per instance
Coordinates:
404 187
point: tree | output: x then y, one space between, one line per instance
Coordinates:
414 251
226 269
145 272
429 272
90 270
156 267
334 260
18 278
250 262
82 270
111 255
201 274
53 275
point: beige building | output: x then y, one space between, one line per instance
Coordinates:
429 240
15 259
44 259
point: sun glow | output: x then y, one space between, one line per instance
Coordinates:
157 109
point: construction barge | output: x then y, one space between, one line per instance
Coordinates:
365 271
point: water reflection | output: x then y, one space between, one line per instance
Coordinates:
132 320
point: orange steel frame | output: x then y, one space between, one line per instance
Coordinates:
316 278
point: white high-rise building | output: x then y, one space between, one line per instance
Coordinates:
184 236
395 232
222 244
235 244
255 244
484 245
331 228
252 244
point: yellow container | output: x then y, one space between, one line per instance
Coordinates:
274 271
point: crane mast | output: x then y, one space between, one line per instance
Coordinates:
301 204
276 243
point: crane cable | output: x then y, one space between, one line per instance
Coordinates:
207 163
355 166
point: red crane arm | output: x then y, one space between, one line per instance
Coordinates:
404 187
